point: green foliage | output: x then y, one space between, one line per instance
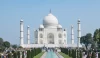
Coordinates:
3 45
14 46
77 51
20 47
0 55
93 55
87 39
35 52
32 53
93 46
6 44
97 37
18 53
23 54
73 53
70 52
99 55
9 55
81 54
15 55
1 41
28 54
2 48
88 56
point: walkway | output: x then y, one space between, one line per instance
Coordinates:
51 54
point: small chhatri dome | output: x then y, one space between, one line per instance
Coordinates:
28 26
41 26
78 20
50 21
59 26
72 26
21 20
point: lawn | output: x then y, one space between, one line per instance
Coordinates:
64 55
39 55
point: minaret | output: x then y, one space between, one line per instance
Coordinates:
21 33
72 35
79 33
28 35
66 37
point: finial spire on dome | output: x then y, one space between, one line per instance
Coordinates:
50 10
21 20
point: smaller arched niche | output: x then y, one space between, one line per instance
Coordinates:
60 41
41 35
65 35
64 41
59 35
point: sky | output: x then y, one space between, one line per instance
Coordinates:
33 12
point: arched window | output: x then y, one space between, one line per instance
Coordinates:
60 35
41 35
40 29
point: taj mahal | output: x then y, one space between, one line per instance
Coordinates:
50 34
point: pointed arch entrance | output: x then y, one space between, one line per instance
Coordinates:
50 38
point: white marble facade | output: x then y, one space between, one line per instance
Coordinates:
49 34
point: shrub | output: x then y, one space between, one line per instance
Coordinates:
15 55
18 53
73 52
28 54
23 54
93 55
0 55
81 54
98 55
9 55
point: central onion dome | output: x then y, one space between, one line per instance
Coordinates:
50 21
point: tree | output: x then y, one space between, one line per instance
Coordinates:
9 55
0 55
22 54
28 54
14 46
20 47
93 55
98 55
81 54
1 42
96 35
82 40
93 45
87 39
18 54
15 55
6 44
